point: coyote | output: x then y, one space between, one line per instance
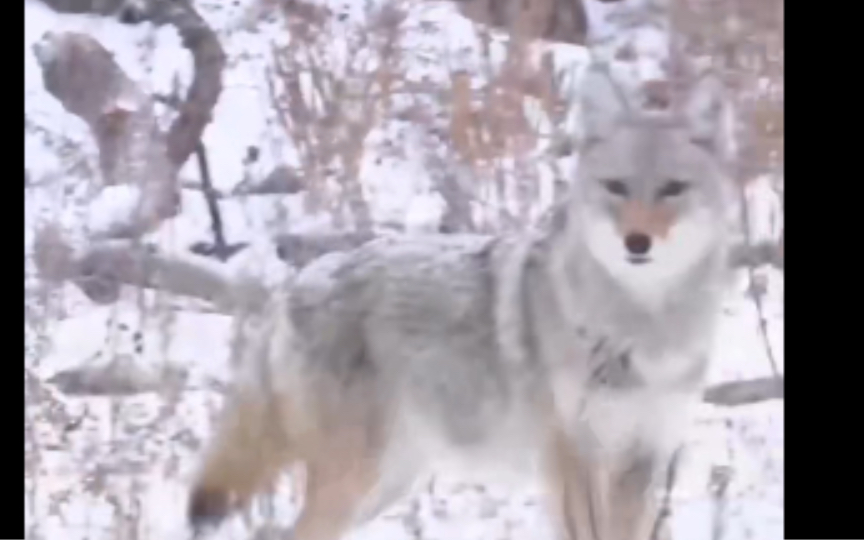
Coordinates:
570 353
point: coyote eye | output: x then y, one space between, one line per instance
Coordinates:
673 188
616 187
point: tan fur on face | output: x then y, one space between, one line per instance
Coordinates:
635 216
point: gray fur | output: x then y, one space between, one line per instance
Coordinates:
472 350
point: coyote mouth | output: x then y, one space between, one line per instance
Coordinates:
639 259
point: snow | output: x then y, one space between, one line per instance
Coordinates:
119 467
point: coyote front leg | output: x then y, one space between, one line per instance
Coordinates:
633 500
576 488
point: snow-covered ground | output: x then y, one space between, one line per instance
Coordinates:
118 468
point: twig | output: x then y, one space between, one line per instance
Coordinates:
666 504
736 393
209 196
220 249
718 485
203 94
757 298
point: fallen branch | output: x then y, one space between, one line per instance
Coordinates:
83 76
282 180
118 379
102 269
736 393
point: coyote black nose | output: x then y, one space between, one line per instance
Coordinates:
637 243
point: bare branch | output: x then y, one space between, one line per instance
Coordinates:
101 270
208 61
99 7
553 20
212 205
123 378
84 77
87 81
735 393
281 180
761 253
219 249
126 11
660 528
195 185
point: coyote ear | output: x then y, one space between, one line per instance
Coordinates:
703 113
602 104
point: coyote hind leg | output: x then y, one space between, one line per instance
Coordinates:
244 458
347 485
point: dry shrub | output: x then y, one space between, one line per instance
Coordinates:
474 128
744 40
329 101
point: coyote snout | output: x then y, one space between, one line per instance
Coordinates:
639 224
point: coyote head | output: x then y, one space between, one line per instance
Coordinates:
650 197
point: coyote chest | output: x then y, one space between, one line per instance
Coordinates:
628 400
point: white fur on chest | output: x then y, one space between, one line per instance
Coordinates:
653 415
677 370
618 421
